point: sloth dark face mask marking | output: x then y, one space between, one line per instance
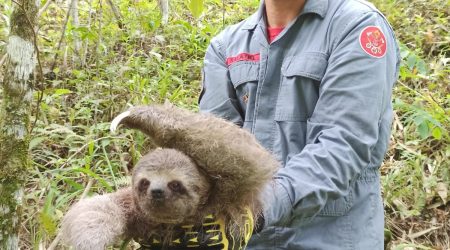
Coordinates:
168 186
161 190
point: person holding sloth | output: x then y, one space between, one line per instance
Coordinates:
312 80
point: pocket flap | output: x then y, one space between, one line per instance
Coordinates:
338 207
310 64
242 72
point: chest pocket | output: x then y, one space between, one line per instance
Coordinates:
300 82
244 76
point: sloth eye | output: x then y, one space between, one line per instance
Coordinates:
143 185
176 186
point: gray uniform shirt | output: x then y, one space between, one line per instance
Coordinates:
319 98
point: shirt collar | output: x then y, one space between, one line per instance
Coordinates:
318 7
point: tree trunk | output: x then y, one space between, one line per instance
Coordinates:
15 119
164 8
73 9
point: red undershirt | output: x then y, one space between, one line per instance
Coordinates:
273 33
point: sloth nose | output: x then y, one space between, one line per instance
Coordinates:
157 194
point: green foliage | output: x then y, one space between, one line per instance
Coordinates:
196 7
5 13
416 175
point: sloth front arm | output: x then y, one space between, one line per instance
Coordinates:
97 222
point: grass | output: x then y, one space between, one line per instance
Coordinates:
73 152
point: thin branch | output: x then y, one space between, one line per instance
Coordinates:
122 159
55 242
38 109
76 24
86 45
62 37
412 236
223 13
87 189
164 8
423 96
99 41
44 8
66 52
116 13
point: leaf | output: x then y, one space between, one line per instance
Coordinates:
35 141
49 200
72 183
404 51
437 133
91 147
45 217
95 176
105 142
421 67
59 92
47 223
442 190
387 234
419 119
411 61
196 7
423 130
81 30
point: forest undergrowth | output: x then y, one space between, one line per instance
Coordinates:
107 55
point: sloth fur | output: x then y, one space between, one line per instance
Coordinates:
206 166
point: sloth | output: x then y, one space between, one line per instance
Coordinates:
167 188
205 165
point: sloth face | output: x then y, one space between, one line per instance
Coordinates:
168 187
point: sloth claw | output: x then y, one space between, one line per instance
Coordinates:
116 122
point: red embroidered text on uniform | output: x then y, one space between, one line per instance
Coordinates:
243 57
373 41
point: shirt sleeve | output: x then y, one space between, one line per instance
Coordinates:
218 95
344 128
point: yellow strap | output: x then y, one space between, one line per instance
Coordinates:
215 228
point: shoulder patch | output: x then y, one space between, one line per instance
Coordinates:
373 41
